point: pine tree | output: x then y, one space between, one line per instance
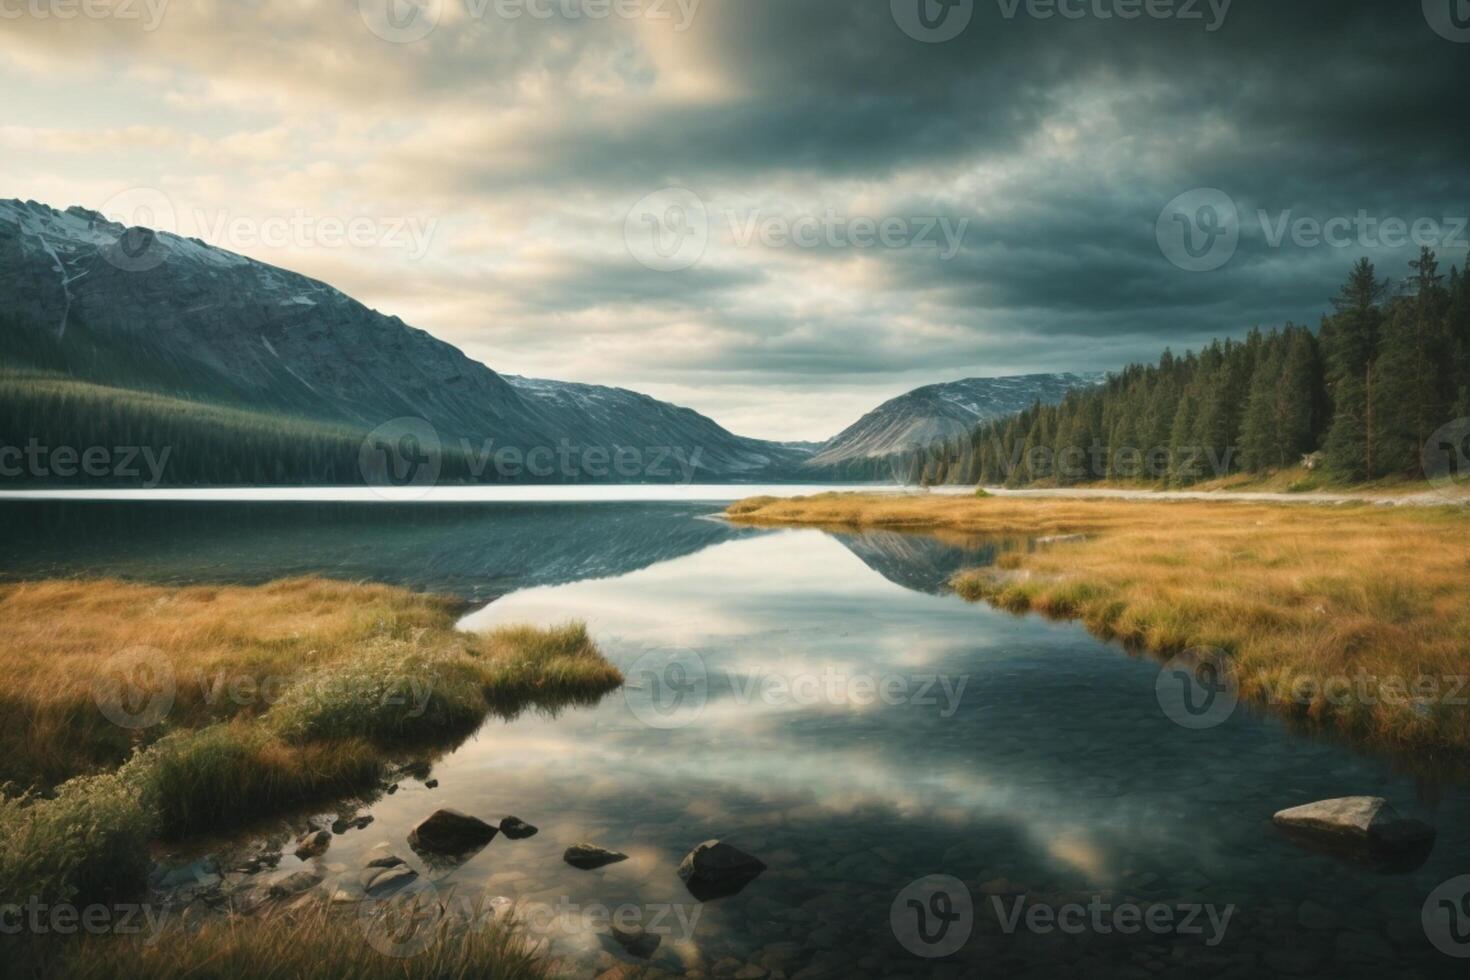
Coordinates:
1351 361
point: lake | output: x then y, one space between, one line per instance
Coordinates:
919 775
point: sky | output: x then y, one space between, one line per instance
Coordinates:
777 212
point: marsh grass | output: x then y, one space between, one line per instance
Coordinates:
1302 597
313 944
358 673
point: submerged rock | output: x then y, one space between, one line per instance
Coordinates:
516 829
451 832
1365 819
345 824
637 941
384 872
590 856
293 883
1362 826
714 869
313 844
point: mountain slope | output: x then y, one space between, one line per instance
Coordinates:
942 411
617 416
187 318
87 299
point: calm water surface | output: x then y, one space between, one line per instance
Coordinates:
819 701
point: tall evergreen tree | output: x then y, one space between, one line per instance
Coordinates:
1351 361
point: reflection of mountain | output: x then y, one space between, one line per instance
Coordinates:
922 562
472 552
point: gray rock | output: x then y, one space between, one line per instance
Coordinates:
714 869
1357 821
451 832
589 856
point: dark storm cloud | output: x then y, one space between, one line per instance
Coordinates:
579 284
1306 109
1054 143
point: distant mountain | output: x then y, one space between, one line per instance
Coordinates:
937 412
135 309
617 416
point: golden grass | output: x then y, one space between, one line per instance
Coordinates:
268 697
312 944
1357 617
238 652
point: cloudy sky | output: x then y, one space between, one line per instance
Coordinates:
778 212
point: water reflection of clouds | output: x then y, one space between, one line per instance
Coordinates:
801 603
811 786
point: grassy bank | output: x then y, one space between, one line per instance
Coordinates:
318 944
135 712
1353 617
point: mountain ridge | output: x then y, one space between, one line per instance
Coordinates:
138 308
938 412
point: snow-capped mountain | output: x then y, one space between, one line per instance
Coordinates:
139 309
942 411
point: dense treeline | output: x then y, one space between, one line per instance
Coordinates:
1363 394
57 431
